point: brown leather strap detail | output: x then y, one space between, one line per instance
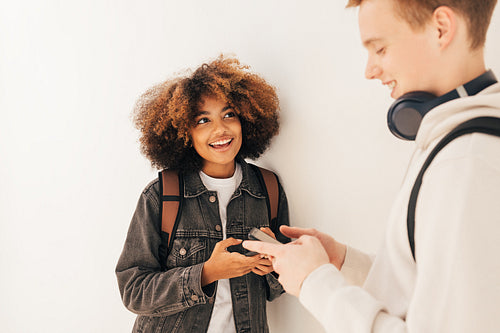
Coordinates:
169 213
272 190
170 185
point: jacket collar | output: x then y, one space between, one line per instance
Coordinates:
193 186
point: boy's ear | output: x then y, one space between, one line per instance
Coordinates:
444 19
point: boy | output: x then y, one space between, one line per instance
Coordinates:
452 285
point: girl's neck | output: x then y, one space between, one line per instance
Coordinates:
219 170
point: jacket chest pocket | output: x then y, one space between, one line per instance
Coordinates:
187 252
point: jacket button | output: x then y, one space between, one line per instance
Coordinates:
182 252
212 198
218 227
194 298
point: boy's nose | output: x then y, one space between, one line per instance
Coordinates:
372 71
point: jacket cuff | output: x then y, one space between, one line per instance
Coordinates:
272 280
194 293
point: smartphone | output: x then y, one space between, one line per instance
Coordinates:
254 234
257 234
240 249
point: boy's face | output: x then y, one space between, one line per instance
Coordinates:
402 59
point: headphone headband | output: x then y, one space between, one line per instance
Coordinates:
406 113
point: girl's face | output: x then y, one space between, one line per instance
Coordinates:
217 137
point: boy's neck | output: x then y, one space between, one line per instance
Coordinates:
461 69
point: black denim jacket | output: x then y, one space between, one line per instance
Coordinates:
172 299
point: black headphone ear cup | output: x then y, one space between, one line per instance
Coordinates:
406 113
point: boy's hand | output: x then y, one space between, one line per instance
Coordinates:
293 261
336 251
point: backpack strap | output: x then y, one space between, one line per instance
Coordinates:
486 125
269 182
171 189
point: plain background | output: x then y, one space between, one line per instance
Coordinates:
71 171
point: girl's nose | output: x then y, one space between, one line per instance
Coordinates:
220 127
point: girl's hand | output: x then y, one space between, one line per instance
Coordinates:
264 265
225 265
268 231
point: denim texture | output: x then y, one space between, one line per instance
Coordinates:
167 296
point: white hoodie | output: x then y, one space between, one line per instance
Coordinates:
454 286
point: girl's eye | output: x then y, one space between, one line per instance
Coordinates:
202 121
381 51
230 114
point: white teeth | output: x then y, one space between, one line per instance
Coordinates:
391 85
221 142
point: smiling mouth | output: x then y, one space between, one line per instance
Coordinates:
390 85
221 144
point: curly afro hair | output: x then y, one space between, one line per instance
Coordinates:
165 113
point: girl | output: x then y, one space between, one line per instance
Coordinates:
203 125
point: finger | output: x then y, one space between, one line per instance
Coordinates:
260 256
245 261
262 247
265 262
268 231
228 242
265 268
257 271
294 232
262 270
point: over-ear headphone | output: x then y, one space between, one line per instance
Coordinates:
406 113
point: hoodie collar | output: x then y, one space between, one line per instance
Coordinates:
443 118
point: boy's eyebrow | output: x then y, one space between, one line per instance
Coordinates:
370 41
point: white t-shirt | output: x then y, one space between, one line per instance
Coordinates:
222 320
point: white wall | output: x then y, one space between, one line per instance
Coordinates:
71 171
